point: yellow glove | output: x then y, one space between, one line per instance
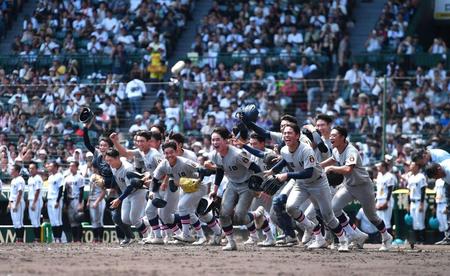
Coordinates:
189 185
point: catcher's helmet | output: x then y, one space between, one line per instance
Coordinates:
250 113
204 206
159 203
433 222
85 115
80 217
408 219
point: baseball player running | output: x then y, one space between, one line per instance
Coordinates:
96 205
74 187
441 172
311 182
54 200
357 185
132 198
35 200
16 202
236 165
104 170
181 171
151 157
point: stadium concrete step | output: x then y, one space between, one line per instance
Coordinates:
16 29
366 14
183 46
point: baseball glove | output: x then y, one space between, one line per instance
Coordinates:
189 185
270 160
334 179
271 185
254 183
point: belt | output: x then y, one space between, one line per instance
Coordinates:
415 200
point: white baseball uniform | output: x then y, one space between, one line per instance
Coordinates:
17 185
441 204
34 184
54 214
383 182
415 184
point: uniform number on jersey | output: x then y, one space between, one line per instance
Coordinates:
182 174
232 168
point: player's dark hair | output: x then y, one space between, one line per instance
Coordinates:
169 144
257 137
17 167
161 128
342 131
54 164
289 118
157 136
145 133
76 163
113 153
417 155
432 169
107 140
324 117
177 137
294 127
222 131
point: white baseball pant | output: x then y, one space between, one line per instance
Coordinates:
35 216
17 216
55 214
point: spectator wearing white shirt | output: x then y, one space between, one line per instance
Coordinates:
368 79
295 73
138 124
395 35
100 34
110 23
48 46
19 94
406 47
126 39
94 47
295 37
317 20
438 47
135 90
79 24
353 75
373 43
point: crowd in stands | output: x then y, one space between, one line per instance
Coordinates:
115 29
256 32
390 32
42 105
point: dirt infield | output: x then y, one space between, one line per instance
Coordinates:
110 259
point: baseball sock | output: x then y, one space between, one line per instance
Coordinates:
120 233
228 232
382 228
154 223
100 234
55 232
95 234
266 229
75 234
346 225
185 225
198 229
37 233
214 226
173 229
252 230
